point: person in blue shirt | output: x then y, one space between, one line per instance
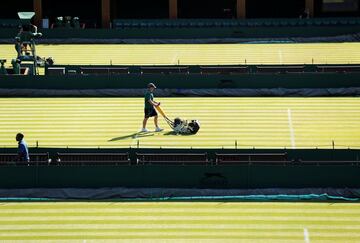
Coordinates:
149 110
23 151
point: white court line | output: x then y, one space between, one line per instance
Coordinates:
175 60
306 236
280 57
292 136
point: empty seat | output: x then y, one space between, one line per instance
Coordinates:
158 25
209 23
127 25
93 159
9 23
253 158
172 158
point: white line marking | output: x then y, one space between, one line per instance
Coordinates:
306 236
292 136
175 60
280 57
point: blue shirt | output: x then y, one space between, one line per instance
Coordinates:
23 151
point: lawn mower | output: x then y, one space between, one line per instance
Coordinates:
180 126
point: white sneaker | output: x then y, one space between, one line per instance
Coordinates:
144 130
158 129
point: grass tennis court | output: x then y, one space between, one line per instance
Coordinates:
197 54
251 122
179 221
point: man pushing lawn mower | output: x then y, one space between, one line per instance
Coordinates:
179 126
149 109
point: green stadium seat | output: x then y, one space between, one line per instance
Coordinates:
294 23
268 23
230 23
352 22
9 23
218 24
284 23
158 25
126 25
143 25
241 23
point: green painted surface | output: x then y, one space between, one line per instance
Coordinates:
192 81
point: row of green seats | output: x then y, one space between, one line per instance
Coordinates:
203 23
9 23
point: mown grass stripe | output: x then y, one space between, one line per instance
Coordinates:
142 230
250 226
195 54
219 218
180 237
256 123
290 221
183 213
158 237
177 210
158 221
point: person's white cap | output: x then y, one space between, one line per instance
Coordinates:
151 85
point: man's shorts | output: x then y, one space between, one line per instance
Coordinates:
149 112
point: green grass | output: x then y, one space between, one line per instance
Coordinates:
179 221
196 54
251 122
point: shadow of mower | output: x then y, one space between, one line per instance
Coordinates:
133 136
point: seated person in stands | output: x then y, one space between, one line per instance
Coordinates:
76 22
305 14
23 151
59 22
16 65
2 68
67 22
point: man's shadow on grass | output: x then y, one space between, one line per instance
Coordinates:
146 134
133 136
